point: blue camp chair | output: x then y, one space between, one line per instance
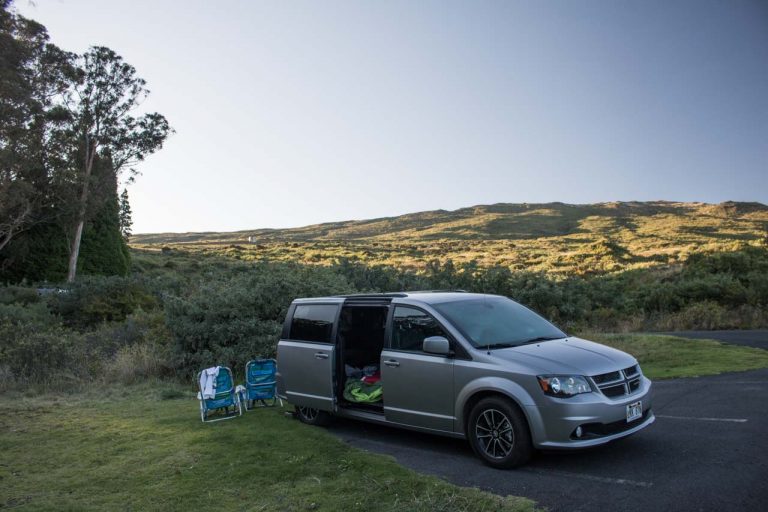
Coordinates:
225 397
260 384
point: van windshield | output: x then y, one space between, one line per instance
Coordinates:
498 322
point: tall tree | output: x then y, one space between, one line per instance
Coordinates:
126 221
101 123
34 76
103 249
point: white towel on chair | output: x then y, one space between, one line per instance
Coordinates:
208 381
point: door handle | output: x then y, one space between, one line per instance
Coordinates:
392 363
321 355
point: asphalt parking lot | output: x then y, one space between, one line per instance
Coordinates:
708 450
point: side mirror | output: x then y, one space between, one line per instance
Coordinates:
437 345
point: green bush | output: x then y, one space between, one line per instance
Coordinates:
236 314
175 319
34 314
93 300
18 295
136 363
45 356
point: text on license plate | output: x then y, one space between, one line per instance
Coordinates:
634 411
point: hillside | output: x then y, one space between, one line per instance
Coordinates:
554 237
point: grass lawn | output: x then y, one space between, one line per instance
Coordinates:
665 357
132 450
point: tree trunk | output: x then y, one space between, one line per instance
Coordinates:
14 226
74 251
6 239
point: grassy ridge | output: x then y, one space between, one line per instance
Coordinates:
554 237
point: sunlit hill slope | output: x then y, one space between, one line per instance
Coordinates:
553 237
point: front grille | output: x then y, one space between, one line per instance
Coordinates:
619 383
614 391
607 377
631 371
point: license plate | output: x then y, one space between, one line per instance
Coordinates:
634 411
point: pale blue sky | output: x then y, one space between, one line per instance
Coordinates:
290 113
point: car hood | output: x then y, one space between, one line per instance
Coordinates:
568 356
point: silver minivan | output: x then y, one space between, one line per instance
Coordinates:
474 366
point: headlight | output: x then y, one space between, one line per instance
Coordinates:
564 386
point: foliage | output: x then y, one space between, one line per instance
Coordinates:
43 356
94 300
36 313
101 127
137 363
180 312
236 315
103 250
35 74
38 347
38 255
67 132
126 219
20 295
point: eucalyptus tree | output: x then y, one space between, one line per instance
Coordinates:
103 127
35 76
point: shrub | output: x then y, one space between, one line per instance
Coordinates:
700 315
93 300
137 362
46 356
236 314
34 314
18 295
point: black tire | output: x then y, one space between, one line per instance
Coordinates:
312 416
498 433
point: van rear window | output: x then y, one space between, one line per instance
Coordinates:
313 322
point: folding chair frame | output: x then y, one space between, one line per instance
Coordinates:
214 404
249 387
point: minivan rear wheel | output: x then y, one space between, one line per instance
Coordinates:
499 434
312 416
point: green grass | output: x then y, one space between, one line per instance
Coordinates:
133 450
665 357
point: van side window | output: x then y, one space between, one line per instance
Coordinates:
410 327
313 322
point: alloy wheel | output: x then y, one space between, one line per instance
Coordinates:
309 413
495 434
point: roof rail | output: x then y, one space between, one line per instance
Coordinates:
373 295
454 290
396 294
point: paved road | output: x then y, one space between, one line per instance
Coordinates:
754 338
708 450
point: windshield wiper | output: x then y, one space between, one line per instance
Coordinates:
540 338
490 346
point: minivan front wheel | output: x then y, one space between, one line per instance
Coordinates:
312 416
498 433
